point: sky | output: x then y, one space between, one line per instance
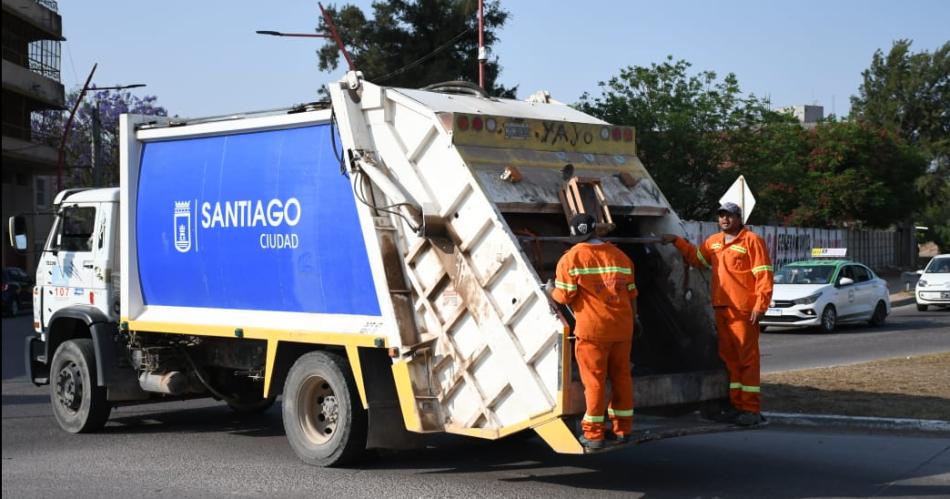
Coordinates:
202 58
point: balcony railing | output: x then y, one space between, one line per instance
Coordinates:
49 4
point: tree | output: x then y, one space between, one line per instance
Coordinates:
683 122
416 43
696 134
79 150
857 173
909 93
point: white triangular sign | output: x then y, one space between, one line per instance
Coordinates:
740 194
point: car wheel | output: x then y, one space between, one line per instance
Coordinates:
879 315
829 319
78 404
921 308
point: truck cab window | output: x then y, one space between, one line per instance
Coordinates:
76 226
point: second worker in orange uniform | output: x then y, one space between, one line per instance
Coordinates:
596 279
741 291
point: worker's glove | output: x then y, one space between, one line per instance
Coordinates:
549 287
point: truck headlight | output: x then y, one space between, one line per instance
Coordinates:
807 300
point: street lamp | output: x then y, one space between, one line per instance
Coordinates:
97 165
333 35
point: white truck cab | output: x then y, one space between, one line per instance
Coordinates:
79 262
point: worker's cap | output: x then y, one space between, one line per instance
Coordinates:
582 227
728 207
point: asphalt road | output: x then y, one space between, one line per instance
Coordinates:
906 332
201 449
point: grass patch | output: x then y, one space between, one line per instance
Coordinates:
907 387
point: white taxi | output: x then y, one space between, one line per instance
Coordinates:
825 293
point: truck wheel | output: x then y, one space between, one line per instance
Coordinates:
323 418
78 404
829 319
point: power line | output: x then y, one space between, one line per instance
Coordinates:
424 58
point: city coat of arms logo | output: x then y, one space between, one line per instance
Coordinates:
183 226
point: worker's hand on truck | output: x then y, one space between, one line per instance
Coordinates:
668 238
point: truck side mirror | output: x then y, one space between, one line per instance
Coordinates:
17 229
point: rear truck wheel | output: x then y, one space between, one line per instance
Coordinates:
78 404
829 319
323 417
879 315
921 308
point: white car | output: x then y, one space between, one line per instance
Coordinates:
825 293
933 287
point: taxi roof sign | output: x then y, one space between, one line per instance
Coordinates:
829 252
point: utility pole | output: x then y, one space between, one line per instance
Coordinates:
98 165
482 52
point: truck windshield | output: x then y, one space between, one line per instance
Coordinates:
805 274
74 229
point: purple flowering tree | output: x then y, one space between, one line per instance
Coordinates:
47 127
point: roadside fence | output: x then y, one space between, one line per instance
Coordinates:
878 249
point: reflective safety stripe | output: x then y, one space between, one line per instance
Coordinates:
738 248
600 270
739 386
716 245
699 255
593 419
631 286
565 286
621 413
761 268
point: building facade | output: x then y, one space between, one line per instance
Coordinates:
32 32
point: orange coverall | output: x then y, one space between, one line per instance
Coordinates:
741 283
596 280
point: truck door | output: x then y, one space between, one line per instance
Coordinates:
70 259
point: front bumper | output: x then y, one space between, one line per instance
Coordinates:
796 315
932 296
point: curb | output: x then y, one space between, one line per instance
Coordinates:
928 425
901 299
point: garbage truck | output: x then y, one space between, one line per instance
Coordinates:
378 261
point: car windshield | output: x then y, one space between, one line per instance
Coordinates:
939 266
805 274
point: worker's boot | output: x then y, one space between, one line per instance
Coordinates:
749 419
728 414
592 444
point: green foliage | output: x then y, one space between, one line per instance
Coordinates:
696 134
417 43
683 122
909 93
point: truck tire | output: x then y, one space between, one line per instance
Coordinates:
324 420
78 404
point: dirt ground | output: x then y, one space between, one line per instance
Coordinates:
907 387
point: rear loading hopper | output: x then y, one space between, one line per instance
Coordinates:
465 197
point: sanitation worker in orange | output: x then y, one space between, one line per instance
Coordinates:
596 280
741 292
